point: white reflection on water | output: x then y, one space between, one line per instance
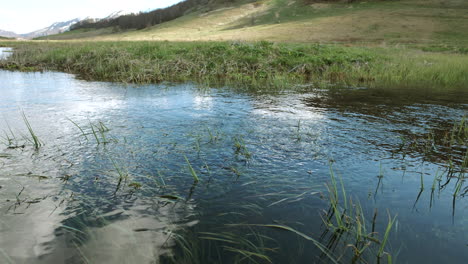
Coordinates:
135 239
35 202
291 143
5 52
28 234
202 102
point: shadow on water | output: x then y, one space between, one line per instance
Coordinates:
174 174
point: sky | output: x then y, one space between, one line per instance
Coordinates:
24 16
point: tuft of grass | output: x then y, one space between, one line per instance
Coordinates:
10 138
121 172
34 139
346 224
240 148
98 131
381 252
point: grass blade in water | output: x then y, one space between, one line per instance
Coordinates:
192 171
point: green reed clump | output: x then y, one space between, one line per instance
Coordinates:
346 224
459 133
435 184
98 131
34 139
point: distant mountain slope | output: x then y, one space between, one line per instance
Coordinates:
55 28
59 27
370 21
157 16
8 34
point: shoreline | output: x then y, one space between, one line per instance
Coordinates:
247 65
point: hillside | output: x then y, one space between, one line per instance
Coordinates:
7 34
404 21
55 28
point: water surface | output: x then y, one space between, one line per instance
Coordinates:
125 192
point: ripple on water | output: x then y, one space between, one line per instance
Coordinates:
125 194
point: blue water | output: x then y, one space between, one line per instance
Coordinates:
261 159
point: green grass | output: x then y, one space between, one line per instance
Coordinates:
346 224
10 138
257 66
192 171
34 139
79 127
122 173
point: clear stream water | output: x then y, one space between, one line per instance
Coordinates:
261 159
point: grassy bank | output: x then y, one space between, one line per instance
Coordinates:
260 65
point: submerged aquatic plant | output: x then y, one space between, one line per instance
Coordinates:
214 135
240 148
238 245
241 246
